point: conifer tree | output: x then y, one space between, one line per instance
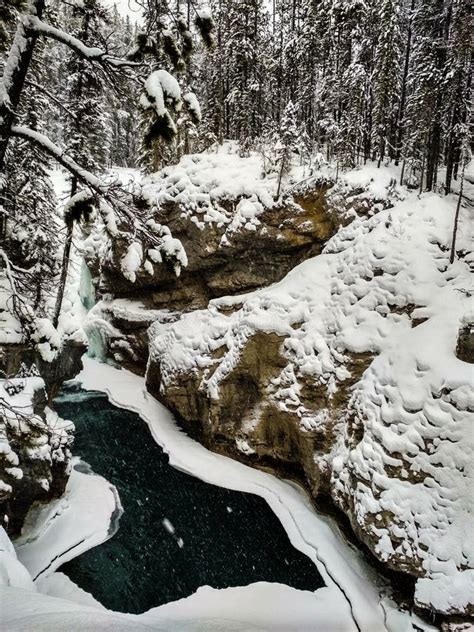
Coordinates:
289 142
386 77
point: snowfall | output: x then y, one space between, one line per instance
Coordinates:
415 401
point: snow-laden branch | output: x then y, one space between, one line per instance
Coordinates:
105 190
84 176
88 52
20 309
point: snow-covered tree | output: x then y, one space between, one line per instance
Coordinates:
87 134
166 45
289 142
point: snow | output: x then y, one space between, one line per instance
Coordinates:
26 437
54 150
132 261
192 102
168 526
160 87
348 578
87 52
202 184
64 528
259 607
12 572
10 327
48 340
415 400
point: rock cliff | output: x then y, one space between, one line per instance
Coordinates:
348 370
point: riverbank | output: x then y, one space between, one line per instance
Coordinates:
351 601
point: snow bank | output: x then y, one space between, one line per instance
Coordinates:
85 516
259 607
12 572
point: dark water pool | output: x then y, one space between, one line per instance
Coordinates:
176 533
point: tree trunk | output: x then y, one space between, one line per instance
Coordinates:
65 260
15 71
401 109
456 217
64 271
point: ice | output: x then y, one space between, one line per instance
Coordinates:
84 517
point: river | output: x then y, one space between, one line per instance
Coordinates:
177 533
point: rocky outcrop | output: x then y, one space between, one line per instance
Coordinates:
279 377
34 443
34 450
465 344
226 263
245 421
65 366
331 376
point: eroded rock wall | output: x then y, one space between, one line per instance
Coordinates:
292 376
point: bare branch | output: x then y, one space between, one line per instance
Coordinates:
87 52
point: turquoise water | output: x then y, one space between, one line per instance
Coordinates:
177 533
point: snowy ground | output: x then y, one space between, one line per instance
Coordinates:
84 517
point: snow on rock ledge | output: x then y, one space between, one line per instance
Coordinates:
278 364
404 469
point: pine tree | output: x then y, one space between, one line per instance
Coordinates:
457 131
289 142
427 75
87 135
33 224
167 44
386 77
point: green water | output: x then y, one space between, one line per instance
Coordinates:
177 533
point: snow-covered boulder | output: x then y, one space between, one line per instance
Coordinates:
220 231
34 449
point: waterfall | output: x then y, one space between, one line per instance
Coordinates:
86 287
95 327
97 339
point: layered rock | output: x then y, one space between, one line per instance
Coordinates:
222 263
66 364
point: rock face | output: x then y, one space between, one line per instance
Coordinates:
465 346
65 366
245 420
35 443
220 264
329 375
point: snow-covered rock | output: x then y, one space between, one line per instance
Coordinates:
219 231
34 449
347 368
